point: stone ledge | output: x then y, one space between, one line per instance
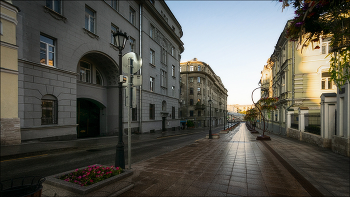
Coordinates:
54 186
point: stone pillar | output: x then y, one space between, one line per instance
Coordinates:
289 118
302 112
328 106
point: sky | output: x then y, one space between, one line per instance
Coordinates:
235 38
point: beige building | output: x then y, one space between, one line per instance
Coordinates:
236 108
10 129
198 85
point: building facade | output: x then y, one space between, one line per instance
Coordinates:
236 108
9 120
68 67
199 84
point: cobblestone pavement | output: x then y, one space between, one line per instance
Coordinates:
234 165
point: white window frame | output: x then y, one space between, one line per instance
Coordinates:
173 71
132 44
112 32
326 81
89 17
191 68
325 47
163 78
53 5
47 51
85 74
132 16
152 57
151 84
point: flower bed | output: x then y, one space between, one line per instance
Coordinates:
67 183
91 175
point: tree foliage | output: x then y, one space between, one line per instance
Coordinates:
320 19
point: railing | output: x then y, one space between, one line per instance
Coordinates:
313 123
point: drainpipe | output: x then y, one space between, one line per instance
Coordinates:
140 51
293 72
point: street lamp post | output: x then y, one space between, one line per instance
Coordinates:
120 41
210 134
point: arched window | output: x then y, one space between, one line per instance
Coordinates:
49 110
99 80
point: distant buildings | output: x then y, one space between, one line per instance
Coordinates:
67 68
199 84
236 108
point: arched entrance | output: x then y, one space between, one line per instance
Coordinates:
97 101
88 118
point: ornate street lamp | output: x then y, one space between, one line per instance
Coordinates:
120 41
210 134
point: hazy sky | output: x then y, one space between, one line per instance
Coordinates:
234 37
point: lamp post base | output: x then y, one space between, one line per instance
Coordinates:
263 137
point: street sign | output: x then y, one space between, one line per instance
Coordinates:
137 80
137 62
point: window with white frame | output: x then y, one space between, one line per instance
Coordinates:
85 72
173 71
198 79
326 48
191 68
152 57
151 84
132 44
163 78
152 31
164 55
55 5
114 30
173 90
198 90
47 51
326 81
113 4
132 16
173 51
90 16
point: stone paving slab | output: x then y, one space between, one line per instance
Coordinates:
327 171
233 165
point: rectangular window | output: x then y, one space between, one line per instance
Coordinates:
134 114
47 51
114 30
326 82
90 16
151 31
151 84
173 90
191 101
326 47
49 112
132 16
54 5
173 70
198 90
199 68
191 113
85 72
152 57
199 113
163 79
172 112
152 111
113 4
191 79
164 55
191 91
198 79
132 44
173 51
191 68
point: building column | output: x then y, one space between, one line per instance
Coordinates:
289 113
302 112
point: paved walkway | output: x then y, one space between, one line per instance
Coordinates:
327 171
234 165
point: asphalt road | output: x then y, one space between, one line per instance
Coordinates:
49 164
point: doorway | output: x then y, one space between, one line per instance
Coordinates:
88 119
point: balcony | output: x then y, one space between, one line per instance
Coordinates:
199 106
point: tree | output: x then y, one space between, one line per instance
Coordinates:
319 19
